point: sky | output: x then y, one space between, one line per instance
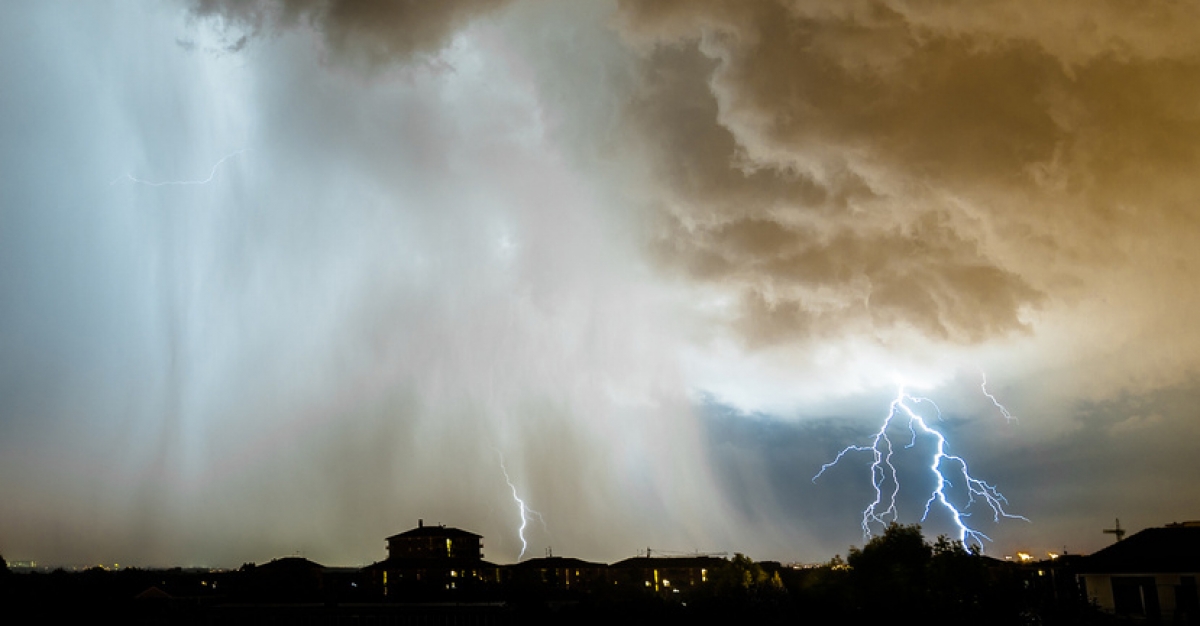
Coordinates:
285 276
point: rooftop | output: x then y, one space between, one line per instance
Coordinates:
434 531
1171 548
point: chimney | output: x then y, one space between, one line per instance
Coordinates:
420 523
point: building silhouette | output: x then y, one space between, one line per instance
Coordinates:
1151 574
432 559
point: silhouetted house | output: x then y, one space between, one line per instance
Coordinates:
1151 574
435 542
665 573
290 578
555 573
432 558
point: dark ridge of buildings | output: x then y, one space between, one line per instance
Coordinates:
437 575
433 559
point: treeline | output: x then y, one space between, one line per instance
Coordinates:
901 575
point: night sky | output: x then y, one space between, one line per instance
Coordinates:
283 277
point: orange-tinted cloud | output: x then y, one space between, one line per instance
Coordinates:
873 165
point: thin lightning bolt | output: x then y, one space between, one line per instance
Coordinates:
212 174
885 480
524 509
1003 411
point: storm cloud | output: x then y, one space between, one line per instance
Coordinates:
662 257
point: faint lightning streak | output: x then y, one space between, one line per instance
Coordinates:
1003 411
524 509
885 480
212 174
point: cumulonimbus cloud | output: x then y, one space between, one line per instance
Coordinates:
873 166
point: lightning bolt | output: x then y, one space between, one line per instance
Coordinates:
885 481
525 511
211 174
983 387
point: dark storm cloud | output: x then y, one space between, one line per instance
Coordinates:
919 167
925 275
958 174
375 32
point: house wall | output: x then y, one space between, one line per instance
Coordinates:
439 546
1099 591
1150 595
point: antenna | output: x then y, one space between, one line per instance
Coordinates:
1118 531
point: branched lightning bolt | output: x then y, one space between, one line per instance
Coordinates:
886 483
526 512
211 174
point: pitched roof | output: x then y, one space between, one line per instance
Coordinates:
290 563
667 562
556 562
435 531
1174 548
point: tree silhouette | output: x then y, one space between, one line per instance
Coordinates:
890 573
